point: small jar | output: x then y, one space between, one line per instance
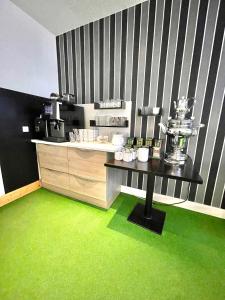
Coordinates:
118 155
143 154
127 155
134 154
71 137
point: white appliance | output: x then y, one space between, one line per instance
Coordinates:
118 140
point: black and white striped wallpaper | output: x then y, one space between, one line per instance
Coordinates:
150 54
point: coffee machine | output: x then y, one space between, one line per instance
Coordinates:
49 126
178 130
56 124
57 119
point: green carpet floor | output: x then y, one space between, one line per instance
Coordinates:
54 248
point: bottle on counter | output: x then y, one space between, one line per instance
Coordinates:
156 149
149 144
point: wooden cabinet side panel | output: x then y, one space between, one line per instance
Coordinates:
92 188
56 163
52 150
56 178
87 169
114 181
76 196
97 157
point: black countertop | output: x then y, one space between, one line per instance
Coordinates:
185 172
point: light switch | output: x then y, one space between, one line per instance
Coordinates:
25 128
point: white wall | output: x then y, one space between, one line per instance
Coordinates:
60 16
2 190
28 60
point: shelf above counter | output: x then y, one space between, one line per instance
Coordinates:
97 106
149 114
93 124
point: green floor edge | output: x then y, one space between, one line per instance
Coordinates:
55 248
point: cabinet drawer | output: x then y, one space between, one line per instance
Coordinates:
55 178
87 169
88 187
97 157
57 163
52 150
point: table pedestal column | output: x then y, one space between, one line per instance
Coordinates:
145 215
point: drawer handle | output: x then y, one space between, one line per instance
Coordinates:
81 149
86 178
53 171
85 149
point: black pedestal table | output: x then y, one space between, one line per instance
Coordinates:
145 215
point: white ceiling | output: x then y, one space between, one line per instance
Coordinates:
59 16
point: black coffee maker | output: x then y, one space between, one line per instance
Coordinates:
40 128
58 118
56 132
49 126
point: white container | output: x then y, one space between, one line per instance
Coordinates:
118 155
118 140
156 110
142 154
100 139
134 154
127 155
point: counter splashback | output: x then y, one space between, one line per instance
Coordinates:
90 113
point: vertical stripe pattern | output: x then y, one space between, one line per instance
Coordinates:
151 54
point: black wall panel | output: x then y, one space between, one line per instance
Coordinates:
17 154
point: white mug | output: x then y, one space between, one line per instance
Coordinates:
142 154
156 110
118 155
127 156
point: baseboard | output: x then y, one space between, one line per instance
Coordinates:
201 208
76 196
9 197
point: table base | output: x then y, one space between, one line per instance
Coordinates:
155 223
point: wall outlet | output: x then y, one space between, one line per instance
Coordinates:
25 128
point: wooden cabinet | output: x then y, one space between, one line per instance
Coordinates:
52 150
87 186
97 157
87 169
56 163
80 174
55 178
87 163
